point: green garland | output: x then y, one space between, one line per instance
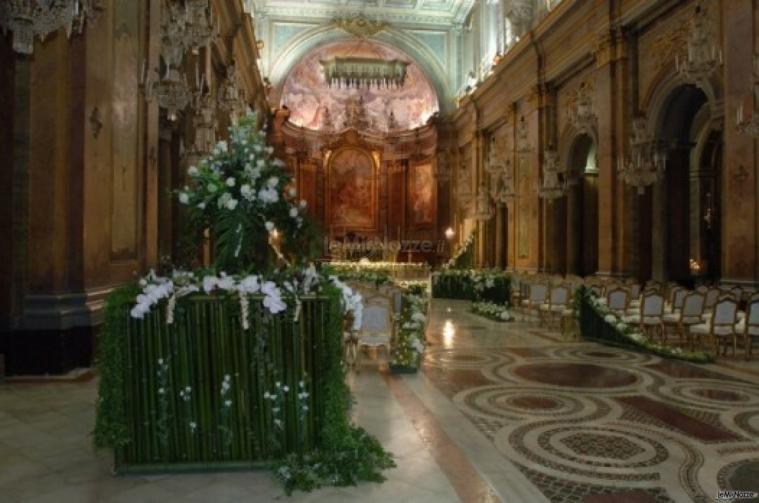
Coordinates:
596 325
492 285
349 454
111 422
342 454
410 339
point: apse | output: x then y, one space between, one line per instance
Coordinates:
313 104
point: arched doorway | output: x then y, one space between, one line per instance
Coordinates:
582 207
685 228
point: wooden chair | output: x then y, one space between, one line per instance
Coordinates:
650 316
750 326
617 300
720 326
536 298
377 324
558 300
691 313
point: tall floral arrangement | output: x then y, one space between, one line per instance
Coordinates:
245 197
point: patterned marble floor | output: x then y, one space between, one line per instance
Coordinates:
501 412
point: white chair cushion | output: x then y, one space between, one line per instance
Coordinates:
633 318
544 307
652 320
724 330
568 312
671 318
701 328
558 309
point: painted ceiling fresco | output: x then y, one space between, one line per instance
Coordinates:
311 100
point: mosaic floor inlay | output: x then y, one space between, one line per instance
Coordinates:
594 424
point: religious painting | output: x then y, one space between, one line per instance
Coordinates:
352 189
422 195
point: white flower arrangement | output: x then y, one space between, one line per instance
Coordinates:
182 283
410 343
497 312
465 248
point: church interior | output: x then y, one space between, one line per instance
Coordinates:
376 250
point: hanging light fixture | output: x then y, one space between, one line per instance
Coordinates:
231 99
483 208
749 125
200 29
39 18
358 72
646 163
704 54
554 183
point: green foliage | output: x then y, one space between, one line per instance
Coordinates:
348 454
241 193
110 425
492 285
493 311
599 324
376 278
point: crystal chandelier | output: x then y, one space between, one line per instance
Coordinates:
200 29
204 120
580 112
443 166
39 18
750 125
554 184
483 209
501 175
505 187
231 99
170 92
703 54
646 163
358 72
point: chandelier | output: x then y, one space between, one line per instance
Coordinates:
170 92
360 72
750 125
646 163
39 18
580 112
443 166
501 175
200 29
204 120
231 99
483 209
554 184
703 55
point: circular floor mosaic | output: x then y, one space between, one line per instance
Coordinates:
576 375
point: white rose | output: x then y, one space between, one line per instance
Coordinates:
230 182
193 171
269 226
212 188
293 212
184 198
201 206
272 182
231 204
